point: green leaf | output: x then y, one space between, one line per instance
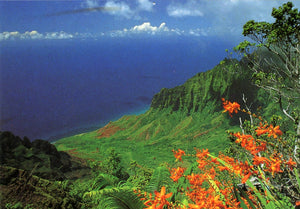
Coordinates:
115 198
160 177
297 177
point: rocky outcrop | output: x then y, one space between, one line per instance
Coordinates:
39 157
21 188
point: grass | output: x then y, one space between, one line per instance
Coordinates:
184 117
149 138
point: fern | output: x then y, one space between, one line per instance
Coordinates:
160 177
104 180
116 198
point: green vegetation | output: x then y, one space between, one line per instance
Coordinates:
102 168
183 117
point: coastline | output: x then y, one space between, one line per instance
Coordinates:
92 126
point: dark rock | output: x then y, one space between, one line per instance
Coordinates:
20 186
39 157
44 147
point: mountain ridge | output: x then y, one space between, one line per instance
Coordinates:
186 116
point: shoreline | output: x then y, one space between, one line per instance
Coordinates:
92 127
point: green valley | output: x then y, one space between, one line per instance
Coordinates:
248 158
186 117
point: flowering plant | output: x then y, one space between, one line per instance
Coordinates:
267 177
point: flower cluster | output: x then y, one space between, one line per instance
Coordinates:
272 131
230 107
158 201
215 184
178 154
177 173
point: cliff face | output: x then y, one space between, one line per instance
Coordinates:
228 80
39 157
183 117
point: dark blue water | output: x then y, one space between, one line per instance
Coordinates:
56 88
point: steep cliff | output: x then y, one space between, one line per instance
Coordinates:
185 117
227 80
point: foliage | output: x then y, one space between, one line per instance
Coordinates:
159 178
115 198
182 117
274 58
262 169
267 178
112 165
21 189
40 157
139 175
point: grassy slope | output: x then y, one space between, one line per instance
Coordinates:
183 117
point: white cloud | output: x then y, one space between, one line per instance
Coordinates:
92 3
225 17
145 5
199 32
122 10
181 12
146 27
17 35
31 35
189 8
34 35
58 35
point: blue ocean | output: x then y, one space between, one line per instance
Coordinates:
55 88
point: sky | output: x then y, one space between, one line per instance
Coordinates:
114 18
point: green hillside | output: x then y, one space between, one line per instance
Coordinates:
129 162
185 117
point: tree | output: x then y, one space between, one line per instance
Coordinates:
274 57
112 165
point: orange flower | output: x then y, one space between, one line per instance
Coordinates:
161 196
242 138
177 173
202 154
193 206
217 202
159 199
275 166
291 164
260 160
178 154
223 168
246 177
261 130
214 160
274 131
195 180
271 130
230 107
201 164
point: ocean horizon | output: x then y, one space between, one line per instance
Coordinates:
56 88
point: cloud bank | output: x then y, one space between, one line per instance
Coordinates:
143 29
147 29
190 8
15 35
125 11
145 5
